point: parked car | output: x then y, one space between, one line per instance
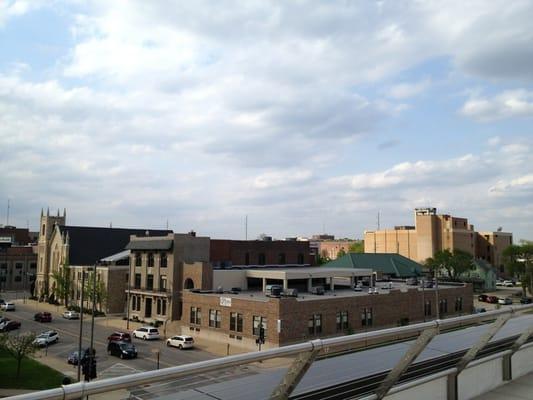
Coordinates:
358 288
505 301
9 325
318 290
508 283
121 349
8 306
43 317
74 359
71 315
525 300
492 299
46 338
181 342
499 283
2 302
412 281
479 310
119 336
482 297
146 332
428 284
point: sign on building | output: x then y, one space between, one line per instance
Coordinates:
225 301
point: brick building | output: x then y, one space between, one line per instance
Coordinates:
18 267
228 253
435 232
234 317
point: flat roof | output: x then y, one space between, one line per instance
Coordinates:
341 290
307 272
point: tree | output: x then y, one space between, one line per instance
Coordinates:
99 290
518 261
455 263
323 258
341 253
63 284
18 346
357 247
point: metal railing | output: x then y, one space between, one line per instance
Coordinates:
305 353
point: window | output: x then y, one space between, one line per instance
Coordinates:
138 259
137 284
235 322
163 260
315 324
443 306
427 308
18 265
459 304
258 323
366 317
149 281
133 302
342 320
163 282
18 278
161 306
247 259
150 260
214 318
261 259
43 229
33 265
196 315
281 259
300 258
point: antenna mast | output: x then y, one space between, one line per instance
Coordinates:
8 206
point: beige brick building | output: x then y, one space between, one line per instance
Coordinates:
434 232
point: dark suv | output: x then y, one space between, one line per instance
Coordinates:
43 317
119 337
122 349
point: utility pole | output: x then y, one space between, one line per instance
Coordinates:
437 305
378 221
246 228
81 322
91 348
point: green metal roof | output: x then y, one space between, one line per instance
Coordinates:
388 263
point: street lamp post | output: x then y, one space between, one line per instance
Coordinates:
81 322
91 348
437 294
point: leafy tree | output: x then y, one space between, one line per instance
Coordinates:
63 284
341 253
18 346
323 258
454 264
518 260
99 291
357 247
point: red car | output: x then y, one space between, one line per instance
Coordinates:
43 317
9 326
492 299
119 337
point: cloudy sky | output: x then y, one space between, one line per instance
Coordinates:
305 116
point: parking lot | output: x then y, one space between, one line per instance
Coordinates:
514 293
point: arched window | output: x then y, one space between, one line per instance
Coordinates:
138 259
188 284
150 260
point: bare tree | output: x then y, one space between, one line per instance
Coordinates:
18 346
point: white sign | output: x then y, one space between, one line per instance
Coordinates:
225 301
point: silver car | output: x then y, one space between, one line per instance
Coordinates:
71 315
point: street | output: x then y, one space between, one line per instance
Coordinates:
107 366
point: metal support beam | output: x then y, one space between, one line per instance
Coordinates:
482 342
522 339
507 370
296 372
417 347
451 387
507 366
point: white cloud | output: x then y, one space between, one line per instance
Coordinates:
508 104
408 89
